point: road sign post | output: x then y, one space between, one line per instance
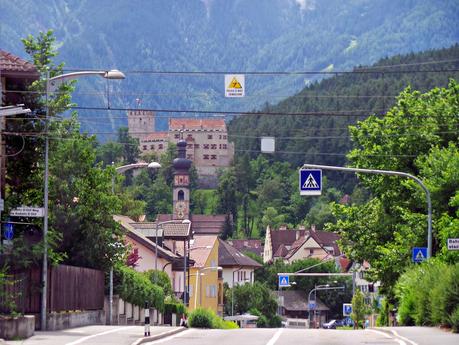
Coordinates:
284 281
391 173
310 181
453 243
419 254
347 309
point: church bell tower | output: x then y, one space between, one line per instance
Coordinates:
181 185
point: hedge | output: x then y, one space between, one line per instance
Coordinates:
428 295
136 288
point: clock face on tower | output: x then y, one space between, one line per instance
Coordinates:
181 180
181 209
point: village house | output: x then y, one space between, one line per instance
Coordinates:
296 244
238 269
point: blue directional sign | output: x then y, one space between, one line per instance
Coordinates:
8 231
310 182
284 281
419 254
347 309
312 305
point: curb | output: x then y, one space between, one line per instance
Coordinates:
158 336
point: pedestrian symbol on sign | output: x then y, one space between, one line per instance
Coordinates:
419 254
310 182
284 281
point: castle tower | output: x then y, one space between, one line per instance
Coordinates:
181 185
141 123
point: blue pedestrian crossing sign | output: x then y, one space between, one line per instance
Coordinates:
284 281
310 182
347 309
419 254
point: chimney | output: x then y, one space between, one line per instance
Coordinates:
297 234
313 227
301 227
283 227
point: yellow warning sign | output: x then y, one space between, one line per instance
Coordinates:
234 85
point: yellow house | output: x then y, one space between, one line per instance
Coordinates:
205 278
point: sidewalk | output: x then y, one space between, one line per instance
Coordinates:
91 335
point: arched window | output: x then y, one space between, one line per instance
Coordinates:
181 195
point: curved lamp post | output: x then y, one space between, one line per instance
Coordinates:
122 169
51 85
319 288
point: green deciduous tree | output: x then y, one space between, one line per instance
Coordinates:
417 136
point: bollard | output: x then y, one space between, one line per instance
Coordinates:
147 320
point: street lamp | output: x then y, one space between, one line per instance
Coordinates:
122 169
51 85
319 288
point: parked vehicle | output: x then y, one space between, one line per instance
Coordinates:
330 324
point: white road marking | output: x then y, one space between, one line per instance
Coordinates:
404 338
159 341
401 342
79 341
276 336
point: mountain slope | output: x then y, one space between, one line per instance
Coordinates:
220 35
320 135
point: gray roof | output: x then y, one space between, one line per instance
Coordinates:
174 229
230 256
296 300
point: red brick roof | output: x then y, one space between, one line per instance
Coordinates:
292 238
190 124
12 63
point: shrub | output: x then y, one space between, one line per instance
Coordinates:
172 305
201 318
454 320
206 318
262 322
162 279
429 294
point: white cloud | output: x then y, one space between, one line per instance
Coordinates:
306 5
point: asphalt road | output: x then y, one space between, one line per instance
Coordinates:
92 335
423 336
131 335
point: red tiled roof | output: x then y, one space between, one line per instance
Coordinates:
293 238
230 256
186 123
12 63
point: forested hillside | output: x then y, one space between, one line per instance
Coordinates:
143 37
319 133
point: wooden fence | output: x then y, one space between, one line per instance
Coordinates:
69 288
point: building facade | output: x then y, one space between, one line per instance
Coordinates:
207 141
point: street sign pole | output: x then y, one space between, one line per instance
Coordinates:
392 173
